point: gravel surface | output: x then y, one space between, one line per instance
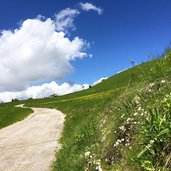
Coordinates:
30 145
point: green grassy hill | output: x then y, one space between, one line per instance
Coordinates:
10 114
123 123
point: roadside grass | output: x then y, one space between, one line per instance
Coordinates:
121 124
10 114
85 116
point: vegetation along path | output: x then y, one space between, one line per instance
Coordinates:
31 144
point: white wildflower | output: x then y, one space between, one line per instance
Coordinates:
151 141
163 81
127 140
121 127
139 108
90 162
151 84
129 119
98 168
119 141
116 144
127 144
135 114
103 121
87 154
122 139
137 99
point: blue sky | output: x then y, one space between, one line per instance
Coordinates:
126 30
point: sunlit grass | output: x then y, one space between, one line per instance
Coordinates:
10 114
109 126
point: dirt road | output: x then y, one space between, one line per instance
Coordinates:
30 145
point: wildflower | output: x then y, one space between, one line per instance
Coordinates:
122 115
122 139
129 119
151 141
127 144
127 140
121 127
163 81
90 162
103 121
135 114
139 108
116 144
137 99
98 168
151 84
87 154
119 141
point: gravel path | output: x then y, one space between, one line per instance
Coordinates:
30 145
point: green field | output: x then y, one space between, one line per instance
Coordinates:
10 114
121 124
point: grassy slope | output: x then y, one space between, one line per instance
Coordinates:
100 116
10 114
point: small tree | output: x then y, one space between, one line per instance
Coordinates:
133 63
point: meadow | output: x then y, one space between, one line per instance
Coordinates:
121 124
10 114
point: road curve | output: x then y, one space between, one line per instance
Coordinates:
30 145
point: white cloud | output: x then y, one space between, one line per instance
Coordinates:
65 19
44 90
89 6
36 52
99 81
39 50
122 70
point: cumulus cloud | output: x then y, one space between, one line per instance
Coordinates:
99 81
44 90
65 19
36 52
89 6
40 50
122 70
